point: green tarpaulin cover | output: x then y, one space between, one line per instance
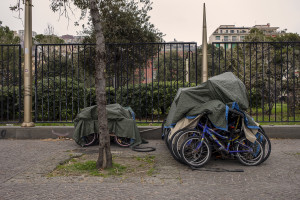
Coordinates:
216 95
120 122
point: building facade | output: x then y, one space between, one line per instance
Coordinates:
231 33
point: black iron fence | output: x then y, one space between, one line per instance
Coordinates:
146 77
270 71
143 76
11 100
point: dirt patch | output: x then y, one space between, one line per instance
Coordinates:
123 166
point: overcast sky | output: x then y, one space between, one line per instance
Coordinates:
179 19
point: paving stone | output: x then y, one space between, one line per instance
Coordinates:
24 163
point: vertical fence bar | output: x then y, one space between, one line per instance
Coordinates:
256 82
164 78
238 60
196 63
121 67
72 81
54 84
127 70
281 76
14 82
66 82
183 67
244 53
152 110
294 93
20 81
269 82
275 82
2 88
263 83
287 81
212 60
7 84
78 99
48 87
36 85
158 106
60 72
90 70
250 80
42 74
177 59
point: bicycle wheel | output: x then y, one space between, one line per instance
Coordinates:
246 157
265 141
122 141
193 155
180 137
89 140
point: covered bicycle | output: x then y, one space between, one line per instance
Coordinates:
211 117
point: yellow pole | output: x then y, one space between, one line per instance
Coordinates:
204 48
28 66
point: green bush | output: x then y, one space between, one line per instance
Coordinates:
64 98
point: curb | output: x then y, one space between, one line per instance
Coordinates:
147 132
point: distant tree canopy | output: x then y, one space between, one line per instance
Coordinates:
47 39
125 21
257 35
7 36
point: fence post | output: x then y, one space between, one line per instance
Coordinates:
28 66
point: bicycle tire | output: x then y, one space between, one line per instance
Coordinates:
249 158
122 141
190 155
90 139
264 139
181 137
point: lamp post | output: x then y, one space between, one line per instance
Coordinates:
28 66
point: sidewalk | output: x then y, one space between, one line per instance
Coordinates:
24 164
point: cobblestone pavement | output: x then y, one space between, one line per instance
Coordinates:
24 163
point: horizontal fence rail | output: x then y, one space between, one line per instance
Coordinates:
270 71
11 96
144 76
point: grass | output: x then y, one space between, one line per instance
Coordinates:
131 166
148 159
281 115
73 167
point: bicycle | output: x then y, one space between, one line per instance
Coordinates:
94 138
194 146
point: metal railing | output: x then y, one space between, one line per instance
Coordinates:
10 84
270 71
144 76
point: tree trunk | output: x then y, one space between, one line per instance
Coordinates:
105 157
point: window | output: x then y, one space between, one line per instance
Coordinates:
218 45
231 31
226 38
221 31
242 38
234 38
226 31
237 31
217 37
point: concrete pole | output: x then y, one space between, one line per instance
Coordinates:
28 66
204 48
